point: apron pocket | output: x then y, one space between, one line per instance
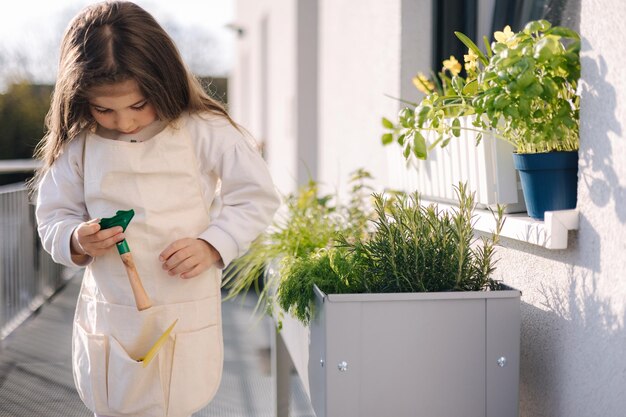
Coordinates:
132 388
196 370
89 366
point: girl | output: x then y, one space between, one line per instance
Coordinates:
130 128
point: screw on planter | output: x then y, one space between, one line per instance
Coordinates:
342 366
501 361
322 362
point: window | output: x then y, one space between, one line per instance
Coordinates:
450 16
517 13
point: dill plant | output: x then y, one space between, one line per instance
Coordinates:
310 221
412 248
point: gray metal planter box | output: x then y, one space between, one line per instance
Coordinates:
453 354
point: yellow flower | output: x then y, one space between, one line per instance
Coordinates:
470 60
423 84
452 65
505 36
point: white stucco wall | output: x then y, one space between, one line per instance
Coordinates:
262 86
573 303
367 51
361 54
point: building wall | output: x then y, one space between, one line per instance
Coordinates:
263 82
366 62
359 64
313 96
574 300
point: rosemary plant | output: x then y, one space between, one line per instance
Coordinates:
413 248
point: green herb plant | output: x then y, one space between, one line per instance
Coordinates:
443 86
523 90
412 248
309 222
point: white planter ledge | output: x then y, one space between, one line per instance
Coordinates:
551 233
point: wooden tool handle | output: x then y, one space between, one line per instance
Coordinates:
141 297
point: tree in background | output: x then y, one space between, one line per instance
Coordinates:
23 109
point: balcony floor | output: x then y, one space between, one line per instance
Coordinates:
36 375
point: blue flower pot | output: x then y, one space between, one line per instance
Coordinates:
549 181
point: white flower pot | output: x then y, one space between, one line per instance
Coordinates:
487 168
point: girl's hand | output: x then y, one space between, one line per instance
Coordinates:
189 257
88 240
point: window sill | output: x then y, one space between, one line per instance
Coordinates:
551 233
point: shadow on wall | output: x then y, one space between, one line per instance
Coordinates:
571 255
596 159
558 357
539 362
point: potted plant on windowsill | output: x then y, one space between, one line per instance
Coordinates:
522 90
399 313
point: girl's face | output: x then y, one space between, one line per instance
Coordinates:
121 107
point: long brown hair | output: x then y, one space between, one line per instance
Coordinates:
111 42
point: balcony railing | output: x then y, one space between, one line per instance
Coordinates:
28 276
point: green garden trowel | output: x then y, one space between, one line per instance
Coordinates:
122 218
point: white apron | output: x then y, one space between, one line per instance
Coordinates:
160 180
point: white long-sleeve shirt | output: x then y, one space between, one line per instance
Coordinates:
235 179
